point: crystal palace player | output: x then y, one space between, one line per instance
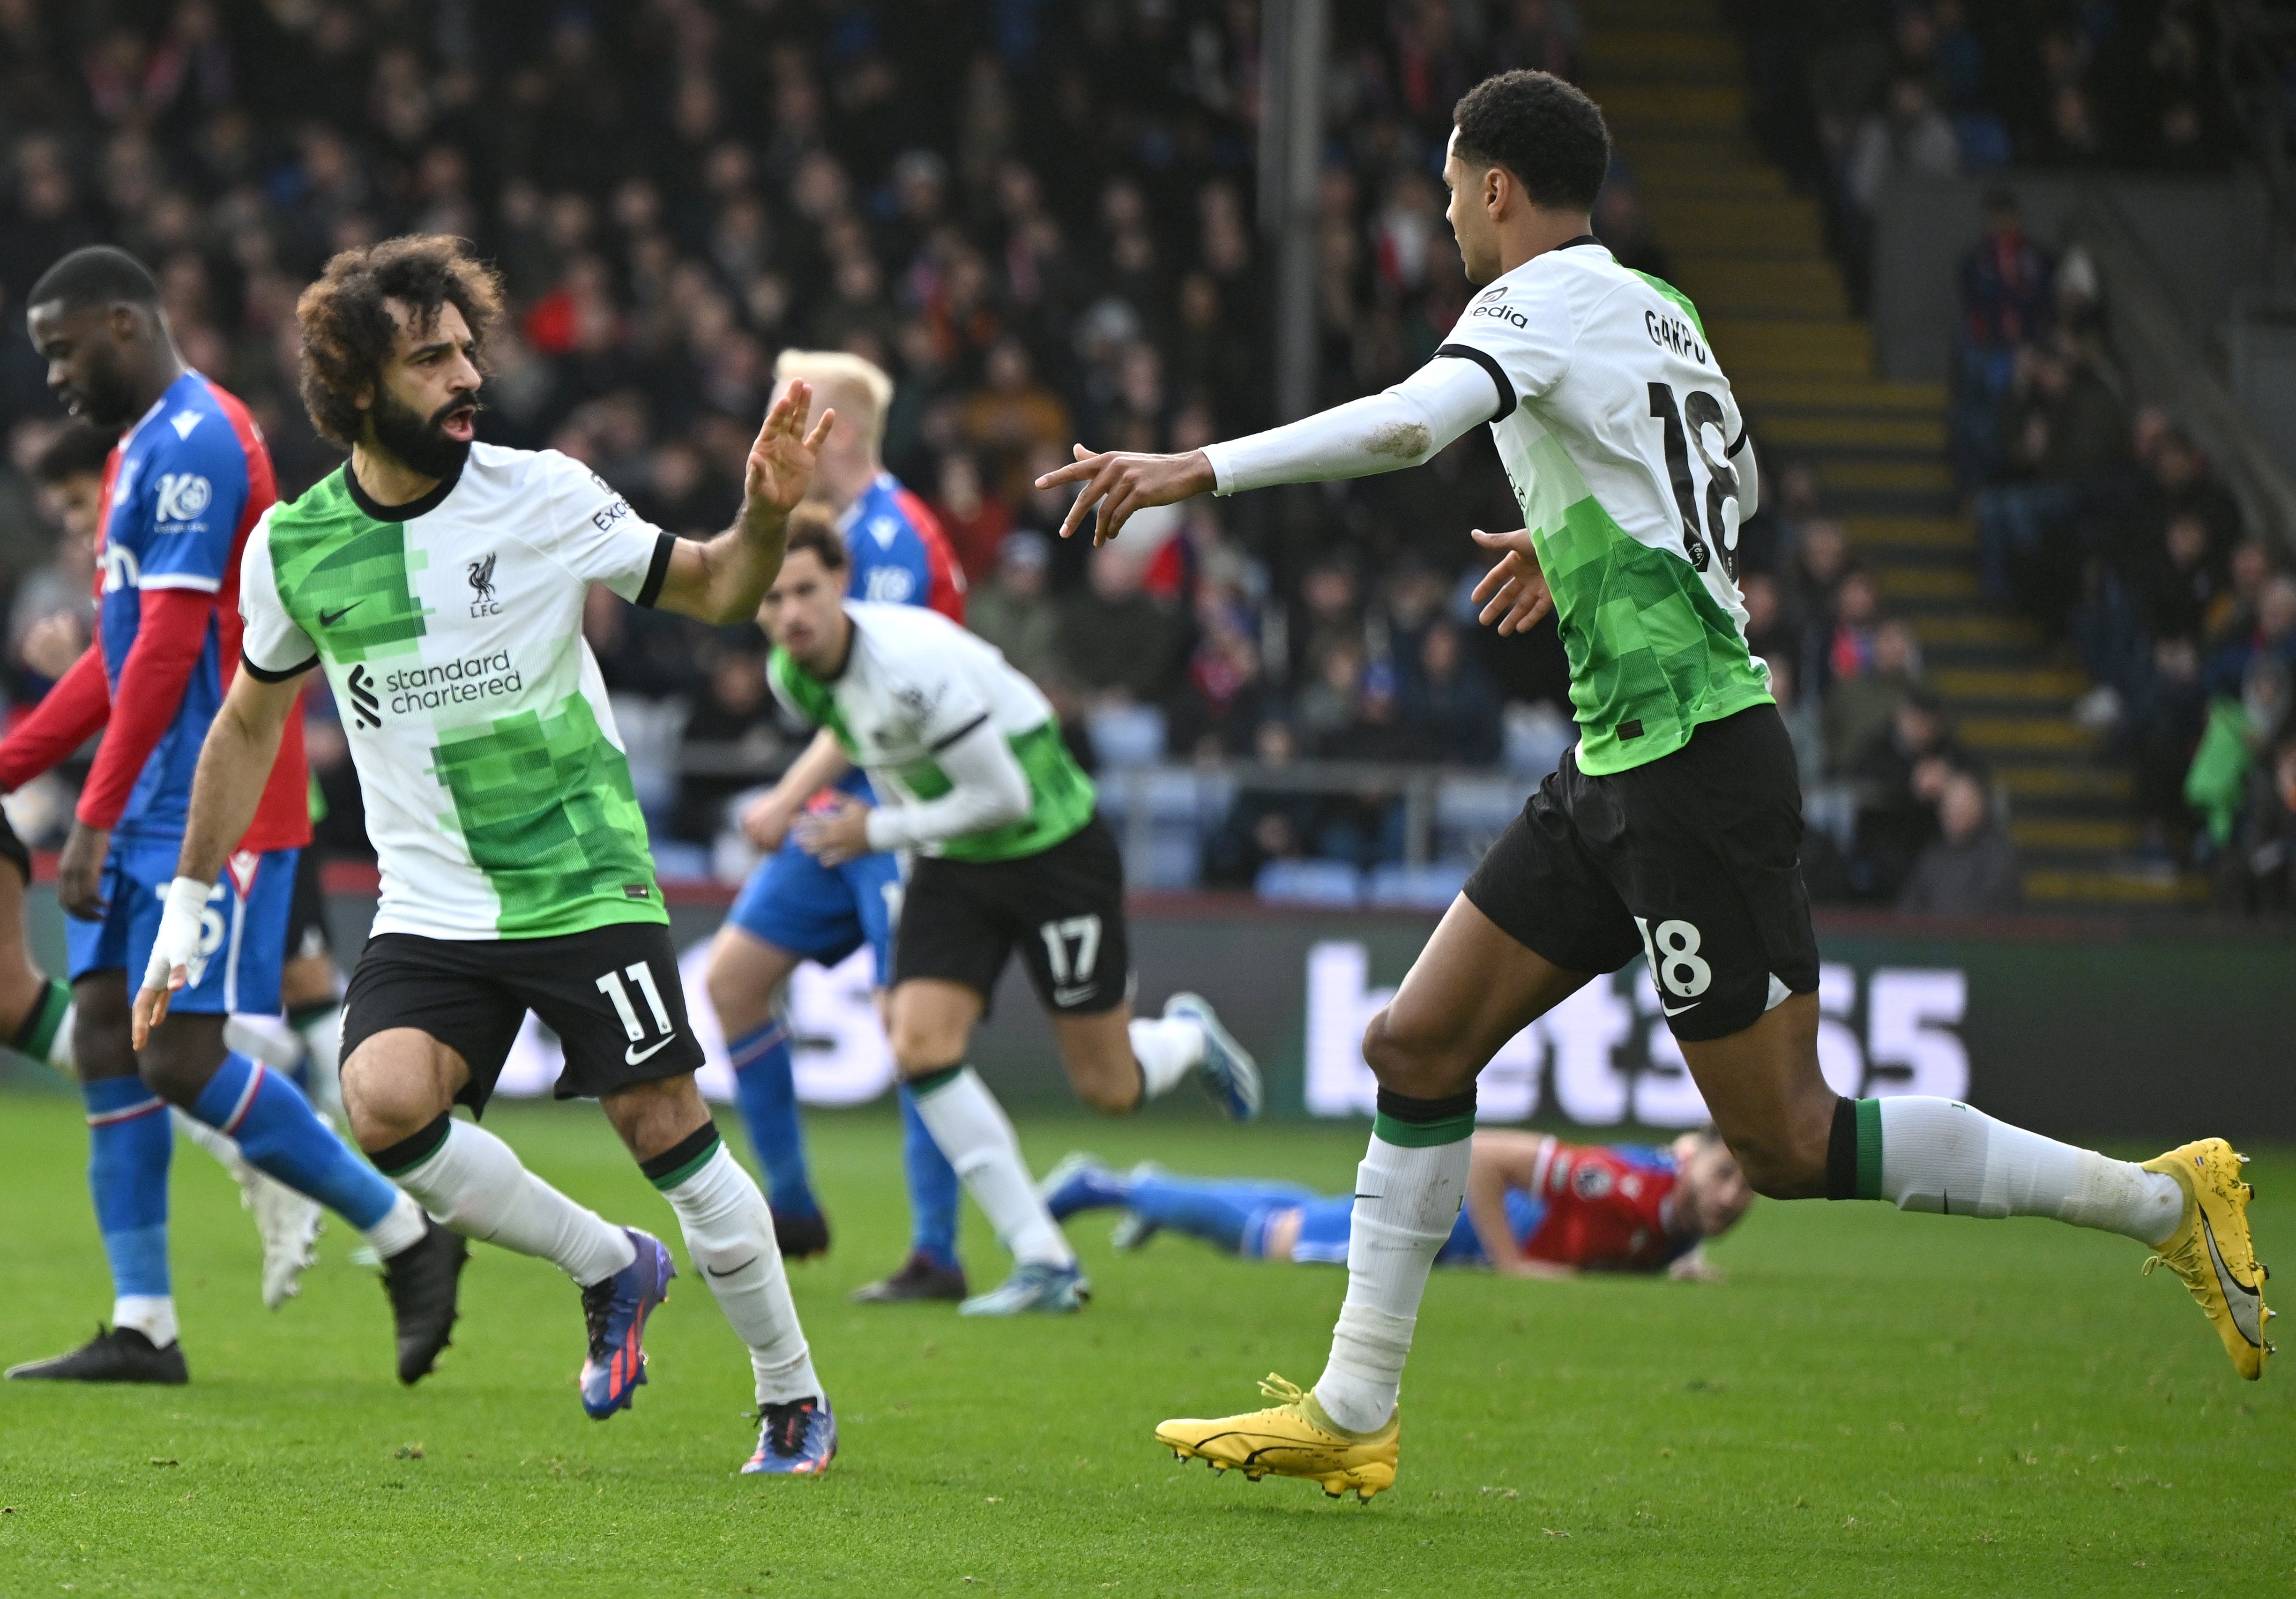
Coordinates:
793 908
439 583
1673 829
1536 1207
184 488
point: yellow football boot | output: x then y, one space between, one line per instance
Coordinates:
1293 1437
2211 1251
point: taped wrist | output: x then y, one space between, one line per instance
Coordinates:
183 912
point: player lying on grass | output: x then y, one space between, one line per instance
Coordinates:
971 773
182 491
793 907
1536 1207
1673 830
439 583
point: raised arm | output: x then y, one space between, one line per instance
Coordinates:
721 580
1402 426
234 767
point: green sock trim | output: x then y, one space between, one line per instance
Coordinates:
671 1179
396 1160
933 1082
39 1033
1421 1135
1869 1149
681 1161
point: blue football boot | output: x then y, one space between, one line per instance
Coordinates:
797 1438
617 1310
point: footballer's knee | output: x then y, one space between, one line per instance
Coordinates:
180 1055
397 1082
741 978
1413 1061
103 1043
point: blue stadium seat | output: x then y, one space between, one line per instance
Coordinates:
1309 883
1127 735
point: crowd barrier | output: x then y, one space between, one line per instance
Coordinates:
2095 1029
2076 1028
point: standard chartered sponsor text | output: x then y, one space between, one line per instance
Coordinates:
457 683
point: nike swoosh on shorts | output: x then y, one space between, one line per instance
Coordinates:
634 1055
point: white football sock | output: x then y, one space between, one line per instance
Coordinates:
1167 1049
1408 1201
474 1184
323 1046
153 1315
266 1038
729 1231
1941 1155
60 1055
401 1227
969 1125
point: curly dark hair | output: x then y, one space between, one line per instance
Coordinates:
812 526
347 331
1542 129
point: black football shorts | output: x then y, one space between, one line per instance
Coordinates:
1063 909
611 994
1693 860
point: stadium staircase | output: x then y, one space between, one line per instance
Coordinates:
1751 254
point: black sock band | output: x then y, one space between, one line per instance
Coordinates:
1418 1123
408 1153
682 1159
1842 1152
926 1082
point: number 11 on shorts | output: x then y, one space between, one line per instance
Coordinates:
640 974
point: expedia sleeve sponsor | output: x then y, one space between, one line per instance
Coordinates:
457 683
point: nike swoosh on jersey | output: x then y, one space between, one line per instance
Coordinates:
328 618
1677 1010
2240 1299
634 1055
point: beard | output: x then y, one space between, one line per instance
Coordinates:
421 443
107 401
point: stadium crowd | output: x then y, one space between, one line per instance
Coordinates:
2102 520
2096 516
1847 96
1040 219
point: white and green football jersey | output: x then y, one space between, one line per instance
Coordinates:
497 796
1619 433
914 684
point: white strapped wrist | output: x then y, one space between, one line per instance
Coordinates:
183 918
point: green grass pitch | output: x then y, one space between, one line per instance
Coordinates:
1872 1404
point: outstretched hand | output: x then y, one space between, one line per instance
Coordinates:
1119 484
1513 592
152 1006
783 459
